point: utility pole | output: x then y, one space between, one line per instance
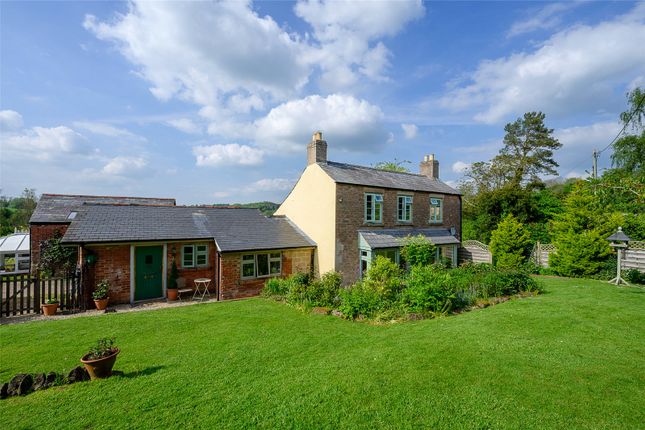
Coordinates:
594 169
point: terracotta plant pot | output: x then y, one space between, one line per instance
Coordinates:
101 368
101 304
50 309
172 294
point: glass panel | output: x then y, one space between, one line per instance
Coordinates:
188 256
368 207
248 257
248 269
202 260
263 264
377 212
148 259
275 267
275 255
202 248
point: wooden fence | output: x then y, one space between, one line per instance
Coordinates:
540 254
634 257
473 251
22 294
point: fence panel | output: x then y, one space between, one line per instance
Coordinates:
22 294
473 251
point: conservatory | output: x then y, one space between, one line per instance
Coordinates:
14 253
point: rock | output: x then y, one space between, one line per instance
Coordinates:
78 374
415 317
20 385
320 311
336 313
51 378
40 382
4 391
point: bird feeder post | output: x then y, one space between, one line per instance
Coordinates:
619 241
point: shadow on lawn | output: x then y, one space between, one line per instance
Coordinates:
145 372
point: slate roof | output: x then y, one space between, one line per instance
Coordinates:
56 208
392 238
360 175
233 229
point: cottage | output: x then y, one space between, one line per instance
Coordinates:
354 213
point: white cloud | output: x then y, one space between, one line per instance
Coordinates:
104 129
10 120
45 143
348 123
576 174
596 135
271 184
221 194
205 51
575 70
124 166
460 166
410 130
543 18
185 124
227 154
346 32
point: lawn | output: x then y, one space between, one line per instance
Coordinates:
573 357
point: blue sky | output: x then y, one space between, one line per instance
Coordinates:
215 102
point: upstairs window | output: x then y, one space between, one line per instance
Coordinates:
436 210
404 212
373 208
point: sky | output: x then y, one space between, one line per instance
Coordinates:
213 102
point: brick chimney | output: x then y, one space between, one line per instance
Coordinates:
429 167
317 149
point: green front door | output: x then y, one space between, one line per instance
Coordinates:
148 269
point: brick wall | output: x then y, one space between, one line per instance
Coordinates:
189 274
350 218
112 263
38 233
233 287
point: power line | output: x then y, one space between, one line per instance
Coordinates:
640 103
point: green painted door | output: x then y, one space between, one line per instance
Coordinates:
148 269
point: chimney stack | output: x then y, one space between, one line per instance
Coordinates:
317 149
429 167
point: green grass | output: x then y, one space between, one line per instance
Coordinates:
571 358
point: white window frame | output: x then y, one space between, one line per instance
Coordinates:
433 218
370 216
272 257
404 208
193 263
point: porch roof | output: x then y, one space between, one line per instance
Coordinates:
233 229
393 237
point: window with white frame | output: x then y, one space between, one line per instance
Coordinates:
373 208
194 255
261 265
404 212
436 210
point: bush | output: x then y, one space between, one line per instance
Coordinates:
510 243
428 290
384 277
418 251
582 254
635 276
360 300
275 287
508 283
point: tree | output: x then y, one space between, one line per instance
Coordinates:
55 258
528 149
510 243
635 115
629 154
393 166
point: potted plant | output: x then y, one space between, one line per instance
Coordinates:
100 359
172 282
50 307
100 295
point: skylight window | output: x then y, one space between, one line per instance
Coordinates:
72 215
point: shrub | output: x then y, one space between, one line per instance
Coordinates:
275 287
580 254
384 277
510 243
360 299
326 291
635 276
508 283
427 290
418 251
174 275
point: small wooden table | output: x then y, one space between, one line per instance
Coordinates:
201 288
